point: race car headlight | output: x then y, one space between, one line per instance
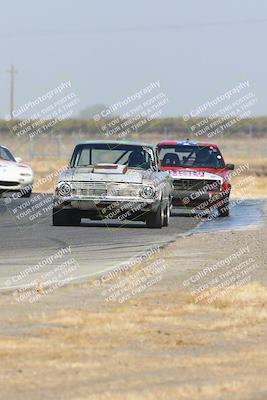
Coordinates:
148 192
25 174
63 189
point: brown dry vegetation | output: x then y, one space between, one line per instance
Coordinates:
155 347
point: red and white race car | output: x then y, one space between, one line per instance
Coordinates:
201 177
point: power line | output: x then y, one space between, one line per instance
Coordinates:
141 28
12 71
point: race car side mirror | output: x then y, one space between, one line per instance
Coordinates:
230 167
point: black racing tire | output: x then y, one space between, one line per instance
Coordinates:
27 194
223 211
96 218
154 220
65 218
75 220
167 214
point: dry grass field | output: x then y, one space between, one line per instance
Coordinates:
158 346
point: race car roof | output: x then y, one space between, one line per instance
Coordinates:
118 142
185 143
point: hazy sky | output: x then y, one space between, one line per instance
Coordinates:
108 49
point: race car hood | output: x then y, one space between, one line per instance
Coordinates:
12 164
194 174
215 172
120 175
12 167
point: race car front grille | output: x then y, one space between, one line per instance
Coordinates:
89 188
208 185
8 183
105 189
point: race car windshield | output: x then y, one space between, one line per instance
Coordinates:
91 154
5 154
190 156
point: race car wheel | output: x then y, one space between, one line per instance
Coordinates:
167 213
65 218
27 194
155 220
224 209
75 220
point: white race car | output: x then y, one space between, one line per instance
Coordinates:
15 177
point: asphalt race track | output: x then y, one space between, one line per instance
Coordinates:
27 236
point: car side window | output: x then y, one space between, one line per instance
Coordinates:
4 154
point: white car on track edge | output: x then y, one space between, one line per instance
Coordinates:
15 177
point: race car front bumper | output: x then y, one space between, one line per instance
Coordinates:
20 185
188 199
109 207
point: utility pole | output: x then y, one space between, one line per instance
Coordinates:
12 71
